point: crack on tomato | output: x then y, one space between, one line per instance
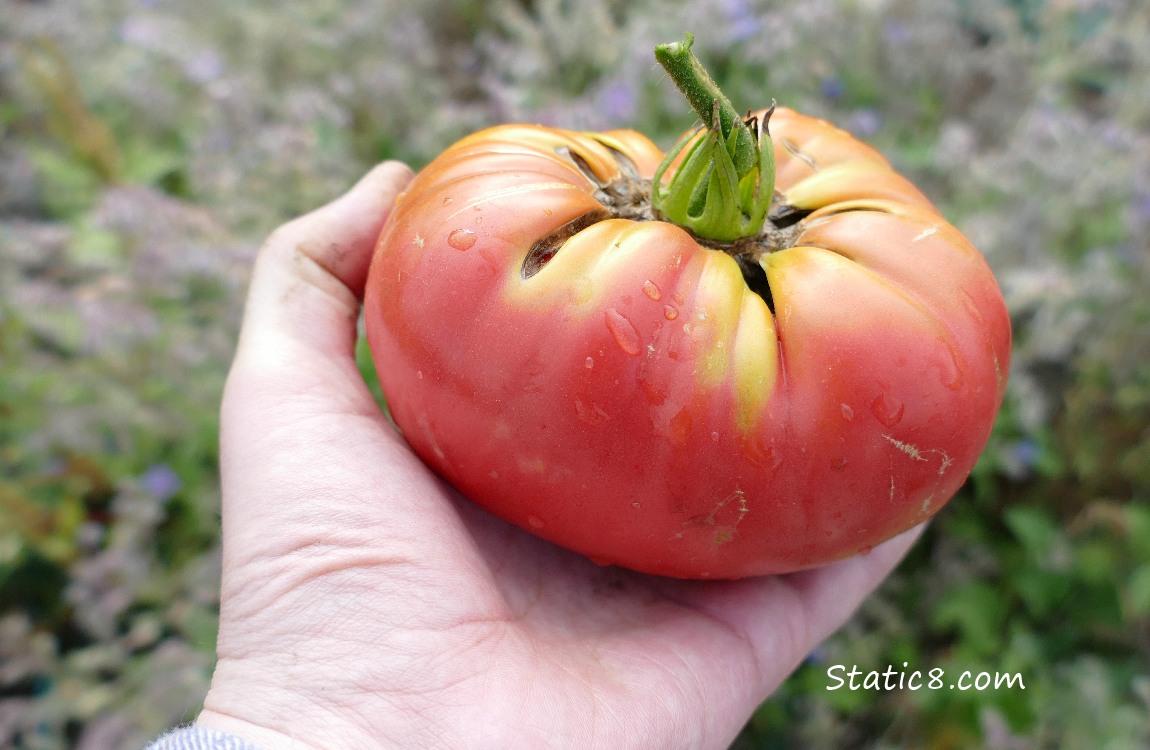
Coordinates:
784 215
626 166
794 151
580 163
755 277
543 251
854 208
628 196
749 251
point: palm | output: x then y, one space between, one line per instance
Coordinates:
359 588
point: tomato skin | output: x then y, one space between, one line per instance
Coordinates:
635 401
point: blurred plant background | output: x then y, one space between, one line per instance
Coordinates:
147 147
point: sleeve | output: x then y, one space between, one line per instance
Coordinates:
192 737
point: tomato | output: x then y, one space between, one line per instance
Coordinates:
607 379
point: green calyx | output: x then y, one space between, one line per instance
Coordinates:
722 189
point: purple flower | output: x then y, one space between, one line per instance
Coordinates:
205 66
896 32
744 23
817 656
617 102
1027 451
832 87
160 482
1142 208
865 122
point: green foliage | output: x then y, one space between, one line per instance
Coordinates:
147 148
1060 607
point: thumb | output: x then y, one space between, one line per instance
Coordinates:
309 277
294 380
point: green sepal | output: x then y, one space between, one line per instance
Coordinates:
724 185
706 196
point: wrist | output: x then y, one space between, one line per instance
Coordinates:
275 707
258 736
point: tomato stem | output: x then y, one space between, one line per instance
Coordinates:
705 96
723 187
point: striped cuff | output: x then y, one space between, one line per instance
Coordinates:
194 737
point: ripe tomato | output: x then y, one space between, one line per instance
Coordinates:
606 379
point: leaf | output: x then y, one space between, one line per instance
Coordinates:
1138 520
1034 529
975 611
1043 591
1138 591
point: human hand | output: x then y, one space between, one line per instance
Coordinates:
365 604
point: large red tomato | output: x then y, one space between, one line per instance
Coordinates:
579 365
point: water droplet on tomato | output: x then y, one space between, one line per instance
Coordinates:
589 363
461 239
670 312
651 290
535 521
847 412
447 200
623 331
887 409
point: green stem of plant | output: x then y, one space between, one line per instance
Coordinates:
705 96
722 188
